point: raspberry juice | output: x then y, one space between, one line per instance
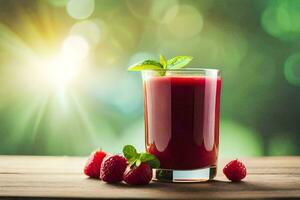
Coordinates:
182 120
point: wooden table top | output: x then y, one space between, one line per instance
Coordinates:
62 177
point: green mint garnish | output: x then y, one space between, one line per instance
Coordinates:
146 64
135 159
179 62
163 61
174 63
130 153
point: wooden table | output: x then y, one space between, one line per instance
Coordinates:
61 177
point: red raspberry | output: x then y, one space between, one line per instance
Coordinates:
235 170
92 166
112 168
140 175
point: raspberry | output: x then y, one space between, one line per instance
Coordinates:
140 175
235 170
92 166
112 168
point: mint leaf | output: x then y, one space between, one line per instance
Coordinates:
132 161
130 153
179 62
146 157
138 162
154 163
135 159
150 159
161 66
146 64
163 61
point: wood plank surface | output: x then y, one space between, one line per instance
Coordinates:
61 177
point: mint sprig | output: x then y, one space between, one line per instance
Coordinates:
135 159
163 64
163 61
146 64
179 62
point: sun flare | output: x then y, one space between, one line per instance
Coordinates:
58 71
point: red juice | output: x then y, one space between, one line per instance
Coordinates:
182 120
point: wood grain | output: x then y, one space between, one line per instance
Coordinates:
61 177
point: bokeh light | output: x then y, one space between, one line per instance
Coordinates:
80 9
281 19
188 21
90 30
170 13
292 69
75 49
159 11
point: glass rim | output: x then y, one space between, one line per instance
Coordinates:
191 69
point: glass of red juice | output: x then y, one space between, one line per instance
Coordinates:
181 108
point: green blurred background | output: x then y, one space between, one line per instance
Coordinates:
65 89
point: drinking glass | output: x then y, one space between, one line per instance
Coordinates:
181 110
